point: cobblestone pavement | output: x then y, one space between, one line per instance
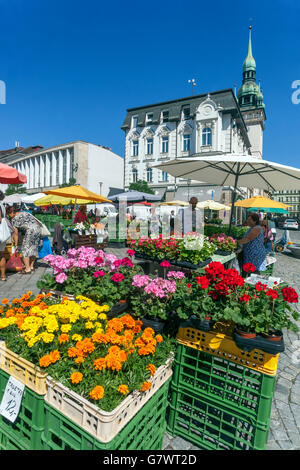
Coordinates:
285 416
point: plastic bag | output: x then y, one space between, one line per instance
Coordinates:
5 233
14 263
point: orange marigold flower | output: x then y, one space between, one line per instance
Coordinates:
49 294
97 393
76 377
146 386
16 301
79 360
128 321
122 356
100 363
10 313
73 352
151 368
100 338
4 301
54 356
115 324
114 350
113 363
159 338
45 361
86 346
139 343
148 333
114 338
63 338
123 389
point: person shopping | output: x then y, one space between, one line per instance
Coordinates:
268 236
30 246
81 216
254 251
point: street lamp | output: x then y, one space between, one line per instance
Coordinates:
100 184
188 183
193 83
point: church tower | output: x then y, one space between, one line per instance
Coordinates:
250 99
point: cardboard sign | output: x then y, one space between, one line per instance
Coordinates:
12 398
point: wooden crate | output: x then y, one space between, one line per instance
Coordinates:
89 241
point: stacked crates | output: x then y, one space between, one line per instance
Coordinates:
217 403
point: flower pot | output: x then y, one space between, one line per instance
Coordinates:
156 325
245 334
120 307
273 335
195 322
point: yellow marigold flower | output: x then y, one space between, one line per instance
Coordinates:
76 337
66 328
97 393
123 389
105 308
89 325
47 337
159 338
146 386
76 377
4 323
102 316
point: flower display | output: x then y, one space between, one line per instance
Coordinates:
223 242
73 341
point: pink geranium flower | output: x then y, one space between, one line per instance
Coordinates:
117 277
165 264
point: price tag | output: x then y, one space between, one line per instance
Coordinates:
12 398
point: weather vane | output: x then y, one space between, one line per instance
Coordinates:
193 83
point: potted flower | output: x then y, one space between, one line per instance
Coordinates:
225 244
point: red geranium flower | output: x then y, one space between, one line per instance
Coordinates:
259 286
203 281
245 298
165 264
189 285
289 294
272 293
249 267
117 277
130 252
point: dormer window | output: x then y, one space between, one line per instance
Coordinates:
165 116
149 117
186 114
134 121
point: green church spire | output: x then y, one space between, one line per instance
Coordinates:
249 63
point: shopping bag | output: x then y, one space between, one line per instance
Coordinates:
14 263
5 233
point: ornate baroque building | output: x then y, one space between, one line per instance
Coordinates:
216 123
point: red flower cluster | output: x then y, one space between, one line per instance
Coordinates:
245 298
289 294
117 277
272 293
249 268
99 260
123 262
165 264
222 281
259 286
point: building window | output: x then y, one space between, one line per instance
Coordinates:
186 113
165 116
164 176
149 117
149 146
186 142
134 121
71 153
206 136
165 145
50 168
149 175
134 175
44 169
135 148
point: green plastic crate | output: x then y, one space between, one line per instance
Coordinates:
9 443
240 388
27 428
144 432
212 426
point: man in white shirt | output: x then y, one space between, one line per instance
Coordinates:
190 218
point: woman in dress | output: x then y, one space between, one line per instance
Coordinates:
253 244
268 236
30 246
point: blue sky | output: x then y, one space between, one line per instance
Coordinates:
72 68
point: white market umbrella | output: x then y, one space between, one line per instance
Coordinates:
213 205
235 170
31 198
13 199
174 203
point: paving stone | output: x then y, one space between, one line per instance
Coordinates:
280 434
273 446
286 445
295 438
180 444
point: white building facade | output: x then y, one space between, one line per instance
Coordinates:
94 167
200 125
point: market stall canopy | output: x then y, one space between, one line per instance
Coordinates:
78 192
271 210
235 170
9 175
261 202
213 205
13 199
50 199
174 203
135 196
30 198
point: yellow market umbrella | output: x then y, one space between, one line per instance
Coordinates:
77 192
174 203
260 202
50 199
212 205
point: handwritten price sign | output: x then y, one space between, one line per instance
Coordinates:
11 400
